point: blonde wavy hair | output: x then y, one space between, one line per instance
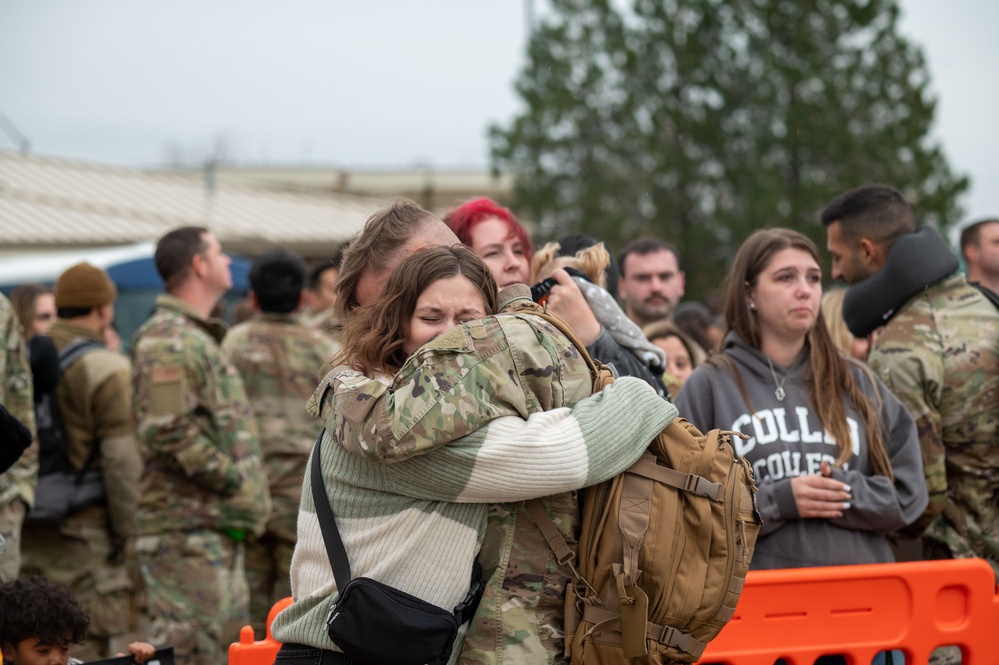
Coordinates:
591 261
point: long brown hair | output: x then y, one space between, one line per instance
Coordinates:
829 373
373 335
23 300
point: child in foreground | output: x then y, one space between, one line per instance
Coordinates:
40 619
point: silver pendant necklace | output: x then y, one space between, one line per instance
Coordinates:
779 391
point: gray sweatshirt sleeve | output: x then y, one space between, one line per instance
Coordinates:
777 504
695 401
878 504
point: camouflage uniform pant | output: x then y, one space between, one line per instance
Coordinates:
76 554
268 560
196 593
11 518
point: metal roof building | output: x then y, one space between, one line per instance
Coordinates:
436 189
53 204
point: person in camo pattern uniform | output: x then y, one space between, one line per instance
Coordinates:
280 359
203 486
520 617
17 484
939 354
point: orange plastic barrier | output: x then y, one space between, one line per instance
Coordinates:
261 652
857 611
801 614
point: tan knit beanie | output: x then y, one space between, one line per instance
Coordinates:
84 285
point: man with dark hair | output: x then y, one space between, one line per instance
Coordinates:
861 226
939 353
980 248
276 280
175 251
279 358
320 296
203 487
320 291
651 282
94 402
17 484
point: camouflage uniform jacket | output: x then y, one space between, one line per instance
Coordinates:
411 524
326 321
16 394
940 356
200 447
95 404
280 359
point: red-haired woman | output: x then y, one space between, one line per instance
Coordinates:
495 235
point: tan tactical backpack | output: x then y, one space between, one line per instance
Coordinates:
664 547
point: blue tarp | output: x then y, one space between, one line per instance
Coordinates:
131 268
141 275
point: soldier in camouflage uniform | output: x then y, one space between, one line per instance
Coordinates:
17 484
280 359
520 618
940 355
86 551
321 295
204 489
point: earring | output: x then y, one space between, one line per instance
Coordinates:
752 305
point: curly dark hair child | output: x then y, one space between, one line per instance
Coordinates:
42 609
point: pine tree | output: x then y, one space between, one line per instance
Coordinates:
699 121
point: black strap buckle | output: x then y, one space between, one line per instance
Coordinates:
464 610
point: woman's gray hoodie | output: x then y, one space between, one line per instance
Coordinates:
787 440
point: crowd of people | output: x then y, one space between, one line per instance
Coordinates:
445 412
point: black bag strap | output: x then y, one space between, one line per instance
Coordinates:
989 294
337 553
335 550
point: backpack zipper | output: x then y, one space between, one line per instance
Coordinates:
729 532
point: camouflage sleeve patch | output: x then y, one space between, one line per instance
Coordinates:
166 390
451 386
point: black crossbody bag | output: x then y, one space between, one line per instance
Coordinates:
374 623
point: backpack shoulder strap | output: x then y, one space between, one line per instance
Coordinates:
548 528
70 353
991 295
75 350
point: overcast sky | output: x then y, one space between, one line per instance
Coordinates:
375 83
